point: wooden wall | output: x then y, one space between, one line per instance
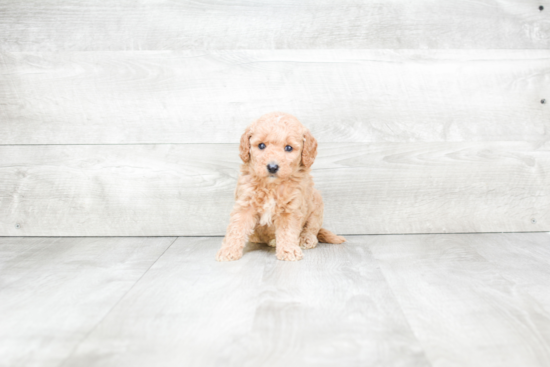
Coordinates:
121 118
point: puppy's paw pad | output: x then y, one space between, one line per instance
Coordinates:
272 243
290 254
229 254
308 240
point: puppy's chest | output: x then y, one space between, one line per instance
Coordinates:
267 211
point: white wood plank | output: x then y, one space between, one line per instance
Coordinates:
187 310
462 310
188 189
53 291
524 259
268 24
211 96
333 308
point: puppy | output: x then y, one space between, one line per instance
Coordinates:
275 201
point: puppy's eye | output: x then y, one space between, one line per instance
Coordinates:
288 148
261 146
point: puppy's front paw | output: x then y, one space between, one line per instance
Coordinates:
289 253
308 240
229 254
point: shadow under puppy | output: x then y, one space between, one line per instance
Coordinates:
275 201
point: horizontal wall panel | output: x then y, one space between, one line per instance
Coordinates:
210 96
179 190
271 24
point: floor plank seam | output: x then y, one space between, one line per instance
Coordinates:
114 306
6 284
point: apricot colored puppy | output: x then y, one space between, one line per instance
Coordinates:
275 201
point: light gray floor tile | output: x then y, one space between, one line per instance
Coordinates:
188 310
411 300
334 308
331 309
53 291
462 309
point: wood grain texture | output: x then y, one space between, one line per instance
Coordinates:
211 96
188 308
460 307
522 259
270 24
121 190
333 308
409 300
53 291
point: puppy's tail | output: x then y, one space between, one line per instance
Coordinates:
327 236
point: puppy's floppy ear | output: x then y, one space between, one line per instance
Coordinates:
310 149
244 148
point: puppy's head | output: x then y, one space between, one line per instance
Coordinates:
277 145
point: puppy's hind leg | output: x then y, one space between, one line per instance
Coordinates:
308 237
263 234
286 237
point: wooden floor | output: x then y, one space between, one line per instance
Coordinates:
390 300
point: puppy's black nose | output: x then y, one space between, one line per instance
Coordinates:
272 168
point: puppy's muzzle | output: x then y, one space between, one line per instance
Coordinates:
272 168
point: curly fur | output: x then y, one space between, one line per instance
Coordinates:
283 210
